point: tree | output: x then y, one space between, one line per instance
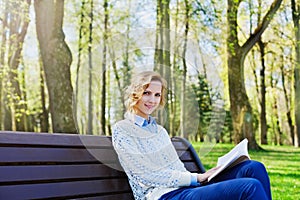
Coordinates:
16 46
296 20
5 114
240 107
184 72
56 58
287 97
13 103
104 67
263 120
80 52
162 60
90 54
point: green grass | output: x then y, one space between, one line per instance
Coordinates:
282 163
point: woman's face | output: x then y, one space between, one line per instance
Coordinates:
150 99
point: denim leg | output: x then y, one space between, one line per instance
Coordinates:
250 169
234 189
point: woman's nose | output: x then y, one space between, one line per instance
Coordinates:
152 98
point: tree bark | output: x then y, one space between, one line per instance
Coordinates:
276 125
45 112
2 66
240 107
57 58
80 49
287 100
183 117
296 17
263 120
162 62
103 90
90 99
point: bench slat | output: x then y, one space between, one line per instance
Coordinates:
125 196
19 154
65 189
48 173
179 145
184 155
54 139
191 166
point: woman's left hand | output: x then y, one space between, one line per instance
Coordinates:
202 178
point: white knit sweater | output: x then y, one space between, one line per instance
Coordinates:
149 160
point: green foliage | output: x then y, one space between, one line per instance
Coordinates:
215 123
202 93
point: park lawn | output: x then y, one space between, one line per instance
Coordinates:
282 163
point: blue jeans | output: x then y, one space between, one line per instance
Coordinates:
246 181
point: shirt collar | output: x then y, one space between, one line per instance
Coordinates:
140 121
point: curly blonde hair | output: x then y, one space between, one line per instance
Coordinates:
139 84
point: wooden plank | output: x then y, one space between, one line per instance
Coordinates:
185 155
18 174
192 167
66 189
55 139
179 145
126 196
19 154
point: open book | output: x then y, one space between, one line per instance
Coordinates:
237 155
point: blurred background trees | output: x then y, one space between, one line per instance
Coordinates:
232 66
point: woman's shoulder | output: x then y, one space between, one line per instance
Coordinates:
122 123
125 127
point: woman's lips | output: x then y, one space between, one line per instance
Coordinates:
149 106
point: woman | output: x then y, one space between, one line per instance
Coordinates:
151 163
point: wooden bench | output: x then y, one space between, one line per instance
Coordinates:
66 166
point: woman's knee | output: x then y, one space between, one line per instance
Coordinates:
257 165
253 189
252 169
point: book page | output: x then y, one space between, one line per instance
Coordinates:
238 154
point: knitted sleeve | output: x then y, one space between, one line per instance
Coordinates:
151 160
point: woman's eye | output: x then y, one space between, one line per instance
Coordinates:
146 93
158 95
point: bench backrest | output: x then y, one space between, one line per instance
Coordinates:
67 166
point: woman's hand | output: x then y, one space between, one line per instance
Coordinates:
202 178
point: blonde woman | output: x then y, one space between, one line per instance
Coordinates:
151 163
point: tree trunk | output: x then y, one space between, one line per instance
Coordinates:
240 107
90 99
263 120
57 58
172 80
287 101
2 65
103 91
45 112
162 62
80 49
183 117
296 17
276 126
